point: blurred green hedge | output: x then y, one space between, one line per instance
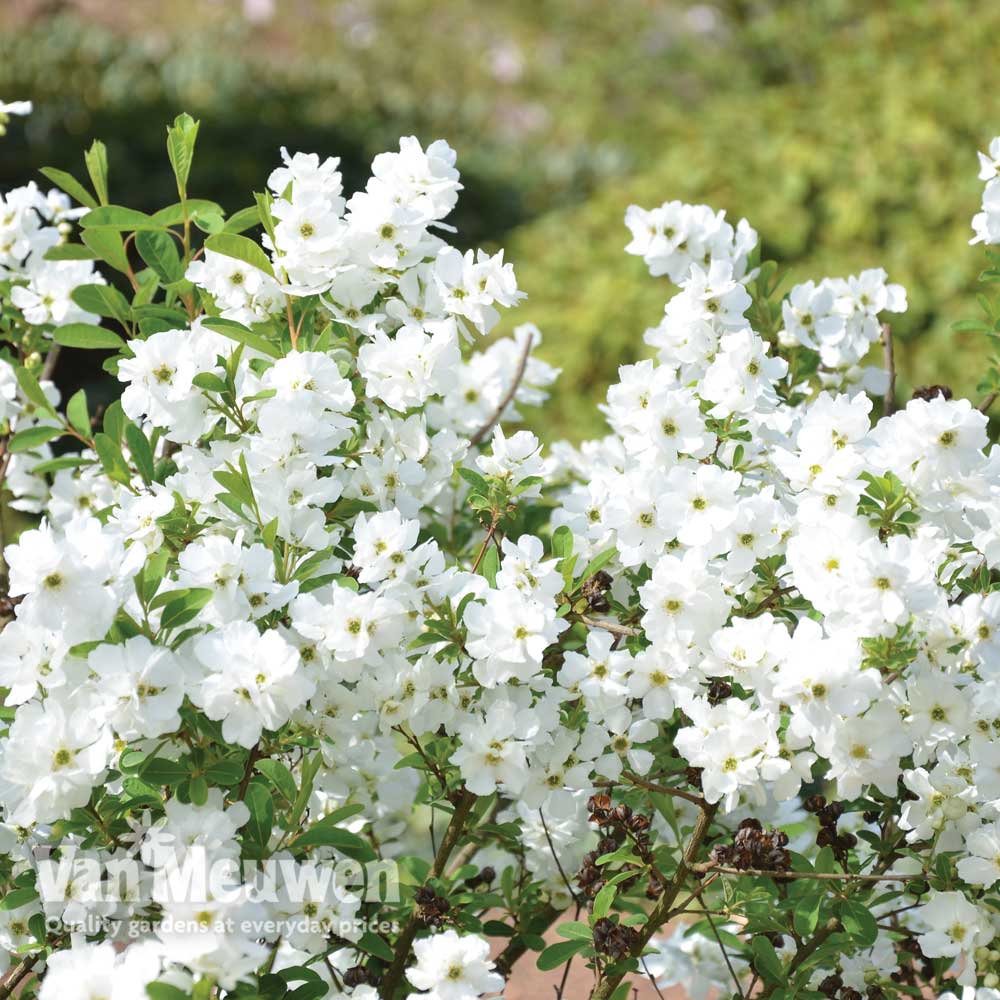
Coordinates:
862 154
844 130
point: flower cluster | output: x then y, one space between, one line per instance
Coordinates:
300 593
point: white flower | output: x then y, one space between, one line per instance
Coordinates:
508 635
453 967
982 867
86 971
251 682
143 686
52 758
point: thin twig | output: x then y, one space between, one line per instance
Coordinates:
612 627
768 602
682 907
486 542
652 786
889 401
561 988
51 360
645 968
725 955
529 342
255 755
710 866
555 857
988 402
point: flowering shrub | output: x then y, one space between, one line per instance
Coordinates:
301 616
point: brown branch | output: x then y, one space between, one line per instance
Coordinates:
467 853
255 755
805 951
555 858
394 975
612 627
661 911
508 396
988 401
20 973
711 866
486 542
652 786
51 360
768 602
889 401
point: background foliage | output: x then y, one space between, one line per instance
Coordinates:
843 129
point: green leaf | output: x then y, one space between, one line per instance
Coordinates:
148 579
490 565
240 248
238 332
32 437
96 159
114 421
558 953
264 202
108 245
18 898
326 833
280 777
141 452
224 772
562 542
181 137
209 222
603 901
78 414
766 961
858 922
198 790
806 915
245 218
103 300
33 391
110 454
575 930
309 991
183 609
598 562
161 771
376 946
164 991
70 251
87 336
209 381
117 217
63 462
261 806
68 183
159 251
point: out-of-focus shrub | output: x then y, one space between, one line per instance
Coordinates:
858 156
840 128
